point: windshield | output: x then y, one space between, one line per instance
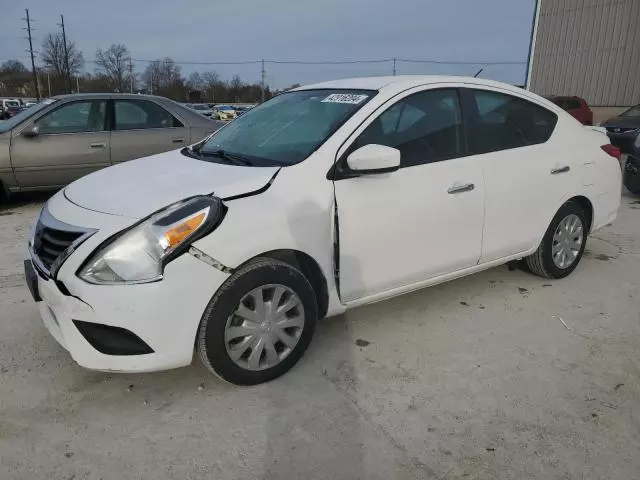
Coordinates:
12 104
22 116
632 112
224 107
288 128
200 107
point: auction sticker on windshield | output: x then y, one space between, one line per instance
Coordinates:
345 98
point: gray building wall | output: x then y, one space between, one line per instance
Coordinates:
588 48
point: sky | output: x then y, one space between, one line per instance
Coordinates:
289 30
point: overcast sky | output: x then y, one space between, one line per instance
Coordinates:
327 30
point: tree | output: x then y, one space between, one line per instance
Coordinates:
114 64
162 77
14 79
195 82
211 82
53 56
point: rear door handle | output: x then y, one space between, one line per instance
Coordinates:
178 140
558 170
98 145
467 187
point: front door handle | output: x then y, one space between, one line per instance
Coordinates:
467 187
98 145
178 140
558 170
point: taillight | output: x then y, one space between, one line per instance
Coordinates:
612 150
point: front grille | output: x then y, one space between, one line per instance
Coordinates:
50 243
52 239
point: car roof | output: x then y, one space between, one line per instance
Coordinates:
402 82
109 95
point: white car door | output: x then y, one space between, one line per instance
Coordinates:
526 176
421 221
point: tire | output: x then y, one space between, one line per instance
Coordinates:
542 262
222 313
631 175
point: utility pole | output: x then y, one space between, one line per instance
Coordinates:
66 54
49 83
77 83
33 62
131 73
394 66
262 82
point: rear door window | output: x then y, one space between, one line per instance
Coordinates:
504 122
142 114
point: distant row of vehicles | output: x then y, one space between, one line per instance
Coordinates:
218 112
10 107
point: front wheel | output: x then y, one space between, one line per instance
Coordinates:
259 323
562 245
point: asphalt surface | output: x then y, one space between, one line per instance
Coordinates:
499 375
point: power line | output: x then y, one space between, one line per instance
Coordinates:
443 62
330 62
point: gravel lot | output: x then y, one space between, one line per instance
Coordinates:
499 375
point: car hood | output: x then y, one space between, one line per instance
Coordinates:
624 122
140 187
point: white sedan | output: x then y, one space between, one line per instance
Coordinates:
322 199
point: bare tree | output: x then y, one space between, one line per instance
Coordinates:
195 82
53 56
114 64
211 81
162 77
235 88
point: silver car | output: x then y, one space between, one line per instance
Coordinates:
63 138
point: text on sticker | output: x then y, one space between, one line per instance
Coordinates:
345 98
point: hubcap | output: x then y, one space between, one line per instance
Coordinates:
567 241
265 327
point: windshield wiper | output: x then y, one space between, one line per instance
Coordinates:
228 157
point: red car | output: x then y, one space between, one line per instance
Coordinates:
576 106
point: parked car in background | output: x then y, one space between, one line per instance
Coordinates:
576 106
623 130
223 112
631 175
9 108
321 199
63 138
241 110
202 109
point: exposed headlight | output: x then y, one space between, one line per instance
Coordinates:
139 254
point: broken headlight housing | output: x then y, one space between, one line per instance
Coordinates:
139 254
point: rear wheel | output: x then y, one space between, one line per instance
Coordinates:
631 176
259 323
562 245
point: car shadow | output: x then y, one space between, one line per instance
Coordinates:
24 198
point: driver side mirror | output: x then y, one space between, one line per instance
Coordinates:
30 132
374 159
